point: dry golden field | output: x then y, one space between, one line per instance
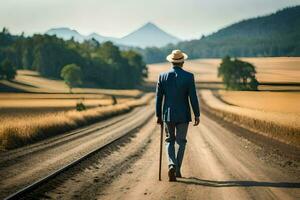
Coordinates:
28 104
275 70
17 131
282 102
31 81
49 108
268 113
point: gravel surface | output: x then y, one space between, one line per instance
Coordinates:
222 161
218 164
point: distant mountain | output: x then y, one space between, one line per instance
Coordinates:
146 36
66 34
277 34
101 38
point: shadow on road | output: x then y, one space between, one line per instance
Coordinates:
211 183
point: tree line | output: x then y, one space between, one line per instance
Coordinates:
102 65
277 34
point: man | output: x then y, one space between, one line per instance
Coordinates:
176 87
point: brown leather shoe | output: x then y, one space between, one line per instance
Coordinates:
171 173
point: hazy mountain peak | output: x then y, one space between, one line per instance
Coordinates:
147 35
66 33
93 34
150 25
101 38
63 29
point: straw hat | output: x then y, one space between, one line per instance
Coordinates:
176 56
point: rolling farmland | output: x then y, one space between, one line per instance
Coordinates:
277 71
84 116
116 158
48 108
277 104
16 131
31 81
29 104
282 102
281 126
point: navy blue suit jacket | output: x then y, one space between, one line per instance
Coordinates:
174 89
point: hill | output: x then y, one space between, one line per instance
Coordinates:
66 34
100 38
146 36
277 34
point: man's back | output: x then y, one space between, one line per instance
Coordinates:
176 86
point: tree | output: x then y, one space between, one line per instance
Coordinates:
237 74
7 70
72 75
103 65
138 69
123 69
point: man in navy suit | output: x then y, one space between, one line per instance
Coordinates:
175 89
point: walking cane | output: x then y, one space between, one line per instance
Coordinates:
160 150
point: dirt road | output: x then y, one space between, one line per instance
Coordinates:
217 165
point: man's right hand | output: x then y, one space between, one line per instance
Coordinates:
197 121
159 121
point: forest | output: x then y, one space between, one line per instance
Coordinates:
103 65
273 35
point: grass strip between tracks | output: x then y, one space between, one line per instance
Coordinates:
17 133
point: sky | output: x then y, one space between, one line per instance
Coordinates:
186 19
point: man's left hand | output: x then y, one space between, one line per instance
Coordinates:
159 121
197 121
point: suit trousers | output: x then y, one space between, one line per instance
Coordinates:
175 132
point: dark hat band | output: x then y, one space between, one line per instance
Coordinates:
178 58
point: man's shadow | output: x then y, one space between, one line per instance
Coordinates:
211 183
